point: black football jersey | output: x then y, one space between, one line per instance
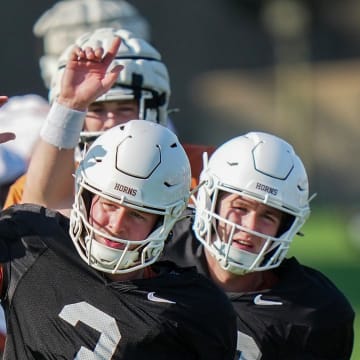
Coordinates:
58 307
303 317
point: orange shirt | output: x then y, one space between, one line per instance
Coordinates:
15 192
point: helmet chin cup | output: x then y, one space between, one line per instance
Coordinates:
228 255
103 256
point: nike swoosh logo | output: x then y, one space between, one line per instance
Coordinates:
151 296
259 301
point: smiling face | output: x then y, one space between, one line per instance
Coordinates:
119 221
251 215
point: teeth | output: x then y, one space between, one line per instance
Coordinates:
243 242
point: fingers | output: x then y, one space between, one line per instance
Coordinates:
87 54
76 54
111 53
92 54
6 136
89 73
96 54
111 77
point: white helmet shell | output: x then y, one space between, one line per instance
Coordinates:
262 167
140 165
64 22
144 76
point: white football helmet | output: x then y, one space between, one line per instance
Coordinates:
64 22
144 76
258 166
140 165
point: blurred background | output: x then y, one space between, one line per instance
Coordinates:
290 67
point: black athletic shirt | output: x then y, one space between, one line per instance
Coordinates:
58 307
303 317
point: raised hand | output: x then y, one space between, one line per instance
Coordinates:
86 75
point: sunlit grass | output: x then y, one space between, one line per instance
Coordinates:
327 247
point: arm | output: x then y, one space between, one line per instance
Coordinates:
49 179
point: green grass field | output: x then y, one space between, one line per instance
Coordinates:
327 247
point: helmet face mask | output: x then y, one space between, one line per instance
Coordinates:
259 167
107 259
138 165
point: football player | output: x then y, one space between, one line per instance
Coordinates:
90 286
254 201
141 91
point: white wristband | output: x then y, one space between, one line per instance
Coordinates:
62 126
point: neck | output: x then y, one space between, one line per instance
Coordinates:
229 282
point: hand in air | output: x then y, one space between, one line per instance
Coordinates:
5 136
86 77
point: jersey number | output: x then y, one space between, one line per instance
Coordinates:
98 320
247 348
